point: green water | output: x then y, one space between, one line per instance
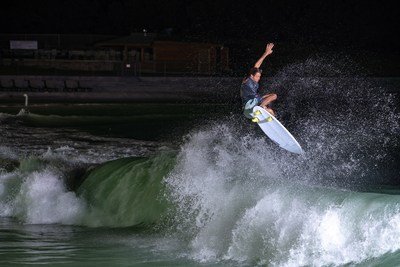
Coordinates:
63 245
133 190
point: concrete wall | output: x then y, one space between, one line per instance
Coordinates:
90 89
150 89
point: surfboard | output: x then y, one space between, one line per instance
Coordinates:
275 130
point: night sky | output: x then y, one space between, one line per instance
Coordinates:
318 22
243 26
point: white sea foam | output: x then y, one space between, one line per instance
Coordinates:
39 197
237 201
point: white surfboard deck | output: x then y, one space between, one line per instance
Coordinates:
275 130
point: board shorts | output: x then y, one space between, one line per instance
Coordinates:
249 105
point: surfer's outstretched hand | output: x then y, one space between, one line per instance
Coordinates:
268 49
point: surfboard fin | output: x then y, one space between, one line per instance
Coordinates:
257 112
255 120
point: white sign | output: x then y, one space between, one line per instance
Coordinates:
31 45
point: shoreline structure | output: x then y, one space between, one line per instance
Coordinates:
90 89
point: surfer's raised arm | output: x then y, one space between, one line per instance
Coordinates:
268 51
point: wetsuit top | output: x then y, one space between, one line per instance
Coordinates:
249 90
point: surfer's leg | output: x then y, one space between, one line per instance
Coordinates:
267 99
270 111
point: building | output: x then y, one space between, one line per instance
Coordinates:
155 55
135 54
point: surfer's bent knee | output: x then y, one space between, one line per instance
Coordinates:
272 96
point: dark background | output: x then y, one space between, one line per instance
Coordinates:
367 31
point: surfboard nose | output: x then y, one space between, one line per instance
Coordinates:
294 149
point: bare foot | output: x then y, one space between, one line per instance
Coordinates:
270 111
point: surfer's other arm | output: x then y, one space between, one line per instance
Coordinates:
268 51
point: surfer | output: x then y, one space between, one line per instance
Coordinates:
249 88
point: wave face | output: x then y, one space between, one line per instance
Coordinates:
127 192
118 193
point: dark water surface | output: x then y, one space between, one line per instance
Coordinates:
149 121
